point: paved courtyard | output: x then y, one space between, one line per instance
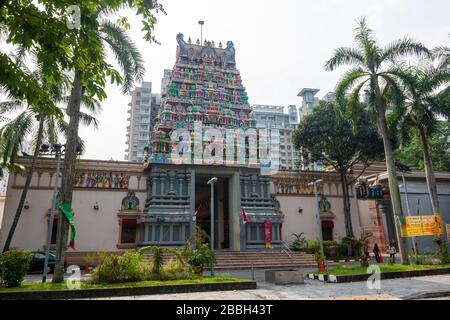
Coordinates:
312 289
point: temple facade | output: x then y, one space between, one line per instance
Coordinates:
204 130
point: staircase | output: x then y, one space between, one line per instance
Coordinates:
228 260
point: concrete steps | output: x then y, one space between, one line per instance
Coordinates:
228 260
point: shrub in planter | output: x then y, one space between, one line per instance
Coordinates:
114 268
14 265
442 250
299 243
201 257
174 269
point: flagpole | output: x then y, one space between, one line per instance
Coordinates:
212 182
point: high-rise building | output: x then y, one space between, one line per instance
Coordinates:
143 109
280 126
309 101
329 97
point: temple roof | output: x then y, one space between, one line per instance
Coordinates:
207 50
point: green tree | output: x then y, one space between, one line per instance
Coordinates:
411 152
375 72
425 102
41 126
328 137
91 69
29 26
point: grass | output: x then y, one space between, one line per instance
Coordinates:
85 284
340 270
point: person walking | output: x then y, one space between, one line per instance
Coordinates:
392 252
376 252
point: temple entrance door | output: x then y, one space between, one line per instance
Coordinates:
221 209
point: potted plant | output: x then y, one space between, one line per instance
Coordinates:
320 258
201 257
89 261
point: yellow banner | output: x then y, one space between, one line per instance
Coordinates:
417 226
448 231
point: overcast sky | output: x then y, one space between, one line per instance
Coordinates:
281 47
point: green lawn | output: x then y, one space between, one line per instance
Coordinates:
37 285
340 270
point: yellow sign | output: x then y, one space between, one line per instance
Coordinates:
448 231
417 226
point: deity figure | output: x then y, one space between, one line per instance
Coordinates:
116 181
324 204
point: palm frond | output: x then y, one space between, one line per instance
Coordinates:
126 53
402 48
344 56
348 80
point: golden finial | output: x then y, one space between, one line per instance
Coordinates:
220 44
189 40
198 41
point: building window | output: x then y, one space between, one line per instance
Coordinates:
128 234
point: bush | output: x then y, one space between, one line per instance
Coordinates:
442 250
174 269
129 267
299 243
14 265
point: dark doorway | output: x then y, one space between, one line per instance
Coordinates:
221 209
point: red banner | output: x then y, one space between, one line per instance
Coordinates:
267 236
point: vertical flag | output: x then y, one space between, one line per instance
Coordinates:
66 209
194 217
244 216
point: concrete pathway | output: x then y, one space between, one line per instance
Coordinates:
312 290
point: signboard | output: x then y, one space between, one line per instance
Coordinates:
267 236
416 226
448 232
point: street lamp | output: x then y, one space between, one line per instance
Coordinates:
319 224
201 23
211 182
57 150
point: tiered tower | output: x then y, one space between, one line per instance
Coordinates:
204 87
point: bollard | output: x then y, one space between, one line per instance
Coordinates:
253 271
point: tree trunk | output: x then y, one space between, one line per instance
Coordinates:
73 111
429 174
346 202
393 185
26 186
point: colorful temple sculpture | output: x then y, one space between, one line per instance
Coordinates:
204 129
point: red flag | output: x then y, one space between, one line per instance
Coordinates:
244 216
194 217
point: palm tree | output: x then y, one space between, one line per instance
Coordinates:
42 126
426 101
104 34
443 56
375 72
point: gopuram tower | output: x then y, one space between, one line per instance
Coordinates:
204 129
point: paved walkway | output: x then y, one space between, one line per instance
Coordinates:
312 289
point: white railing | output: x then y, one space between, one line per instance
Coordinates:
286 249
